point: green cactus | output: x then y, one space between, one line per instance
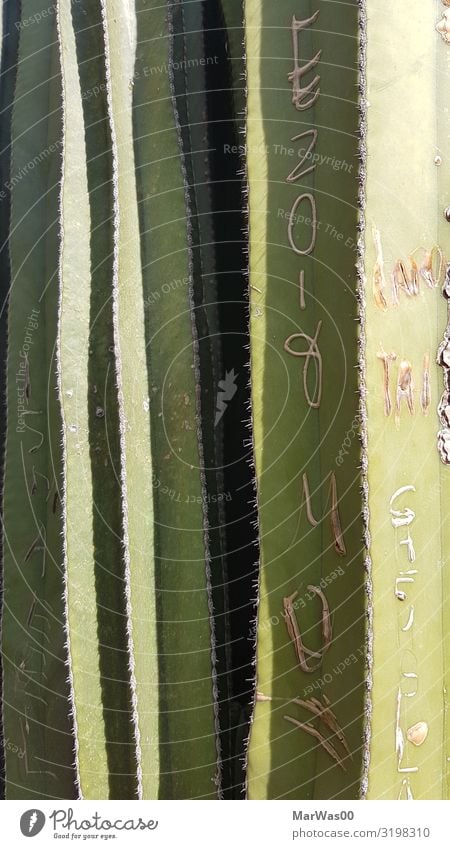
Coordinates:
136 627
304 399
36 697
187 692
104 416
225 368
406 240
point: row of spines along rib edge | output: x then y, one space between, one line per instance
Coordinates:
115 625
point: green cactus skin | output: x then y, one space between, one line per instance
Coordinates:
103 414
90 609
192 61
292 438
9 35
36 706
119 26
118 567
405 199
188 726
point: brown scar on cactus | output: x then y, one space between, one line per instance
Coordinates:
401 280
302 652
300 96
443 360
35 544
386 359
327 628
322 740
405 389
296 172
331 719
336 526
426 269
443 26
295 635
312 353
327 716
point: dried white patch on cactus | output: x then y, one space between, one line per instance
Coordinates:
410 547
418 733
386 359
405 790
260 697
405 389
378 278
425 395
410 621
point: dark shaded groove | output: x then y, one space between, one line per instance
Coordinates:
8 71
103 414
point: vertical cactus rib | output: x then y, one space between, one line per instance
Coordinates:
189 102
104 439
186 641
190 98
119 26
302 125
9 20
224 399
362 383
252 19
36 693
77 495
405 253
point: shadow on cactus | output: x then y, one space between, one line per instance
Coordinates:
224 361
